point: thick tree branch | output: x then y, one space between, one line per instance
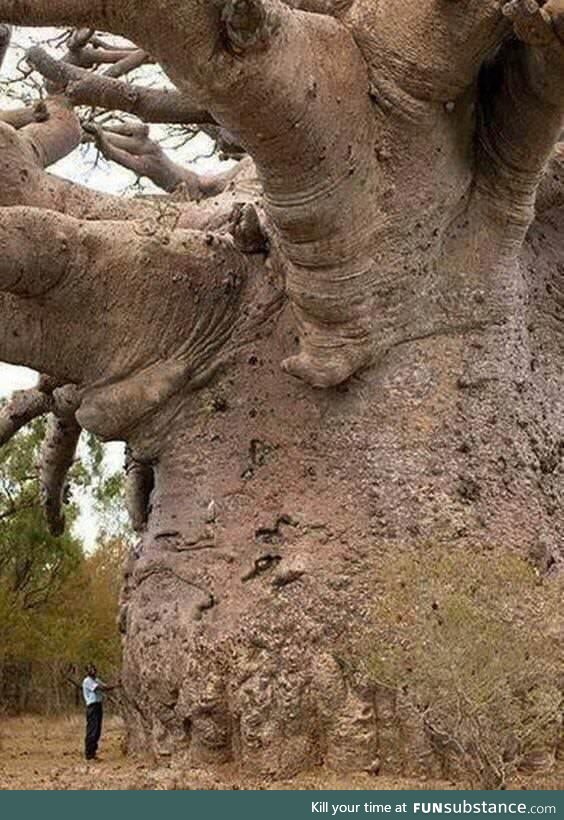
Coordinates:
260 98
57 456
5 35
281 117
75 13
127 63
100 91
110 15
521 107
79 38
431 50
531 23
89 57
34 268
130 146
23 407
56 136
20 117
87 50
71 292
26 183
239 57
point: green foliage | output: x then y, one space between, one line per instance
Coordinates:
92 603
33 563
475 641
58 605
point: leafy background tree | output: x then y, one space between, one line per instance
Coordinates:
58 600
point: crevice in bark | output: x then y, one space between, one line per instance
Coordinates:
261 565
248 24
140 482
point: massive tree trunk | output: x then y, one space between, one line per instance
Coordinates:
275 507
377 248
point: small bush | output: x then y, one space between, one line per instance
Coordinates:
475 641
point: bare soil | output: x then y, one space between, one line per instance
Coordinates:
39 753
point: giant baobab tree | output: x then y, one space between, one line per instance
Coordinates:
349 344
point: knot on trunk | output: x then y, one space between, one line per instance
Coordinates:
247 24
245 227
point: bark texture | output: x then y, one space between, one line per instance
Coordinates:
381 243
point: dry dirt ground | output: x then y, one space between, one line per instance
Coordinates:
45 753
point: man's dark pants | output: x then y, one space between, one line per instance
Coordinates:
93 729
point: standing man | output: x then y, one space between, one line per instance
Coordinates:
93 691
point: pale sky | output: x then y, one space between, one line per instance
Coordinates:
15 378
